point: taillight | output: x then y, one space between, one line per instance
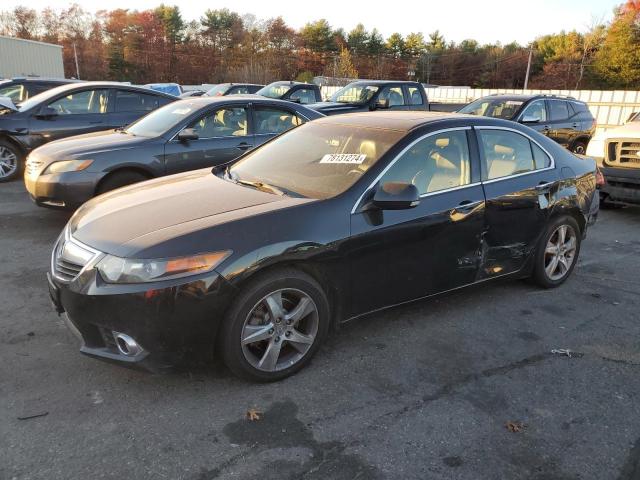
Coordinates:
600 180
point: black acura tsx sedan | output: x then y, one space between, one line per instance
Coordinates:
185 135
257 260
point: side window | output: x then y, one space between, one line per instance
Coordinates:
509 153
304 95
435 163
415 96
535 110
225 122
558 110
128 101
274 120
238 91
86 101
393 94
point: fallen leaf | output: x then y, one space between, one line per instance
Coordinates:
515 427
253 415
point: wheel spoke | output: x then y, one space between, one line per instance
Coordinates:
270 357
256 333
274 304
300 341
563 264
562 232
301 310
551 249
570 245
553 265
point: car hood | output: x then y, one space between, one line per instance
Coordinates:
629 130
336 106
133 219
89 144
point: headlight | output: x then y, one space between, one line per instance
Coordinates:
127 270
67 166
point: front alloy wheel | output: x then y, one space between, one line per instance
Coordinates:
280 330
275 325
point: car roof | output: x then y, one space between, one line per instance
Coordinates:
245 97
526 97
404 120
62 81
384 82
71 86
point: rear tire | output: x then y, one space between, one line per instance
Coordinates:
557 252
11 161
120 179
274 326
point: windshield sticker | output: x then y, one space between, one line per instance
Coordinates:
352 158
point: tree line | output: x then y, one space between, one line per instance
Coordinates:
159 45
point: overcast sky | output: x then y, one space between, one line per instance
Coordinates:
488 21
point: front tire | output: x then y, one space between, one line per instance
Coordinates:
120 179
557 252
11 161
275 326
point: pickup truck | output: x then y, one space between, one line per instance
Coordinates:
369 95
298 92
617 152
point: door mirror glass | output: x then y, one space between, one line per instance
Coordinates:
187 135
396 196
47 112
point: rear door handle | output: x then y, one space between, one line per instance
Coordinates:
544 186
243 146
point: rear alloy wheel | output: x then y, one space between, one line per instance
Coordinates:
559 253
275 327
10 162
579 148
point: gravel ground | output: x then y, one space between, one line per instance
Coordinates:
424 391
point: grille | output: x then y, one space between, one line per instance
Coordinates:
624 153
70 258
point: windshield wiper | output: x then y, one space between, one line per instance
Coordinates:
265 187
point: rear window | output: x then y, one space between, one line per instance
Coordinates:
316 160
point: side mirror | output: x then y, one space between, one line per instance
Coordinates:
396 196
530 119
47 112
187 135
382 104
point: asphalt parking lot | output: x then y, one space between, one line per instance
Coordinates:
425 391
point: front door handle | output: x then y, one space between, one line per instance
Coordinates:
544 186
466 206
243 146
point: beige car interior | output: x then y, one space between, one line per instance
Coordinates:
504 160
276 121
226 122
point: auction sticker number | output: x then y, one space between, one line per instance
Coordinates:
351 158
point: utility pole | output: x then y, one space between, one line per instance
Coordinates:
75 54
526 78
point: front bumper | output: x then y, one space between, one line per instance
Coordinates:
66 190
174 322
623 184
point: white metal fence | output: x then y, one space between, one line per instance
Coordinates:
610 108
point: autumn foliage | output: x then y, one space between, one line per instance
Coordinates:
160 45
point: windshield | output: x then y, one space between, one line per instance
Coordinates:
161 120
497 108
218 90
15 92
275 90
355 94
315 160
